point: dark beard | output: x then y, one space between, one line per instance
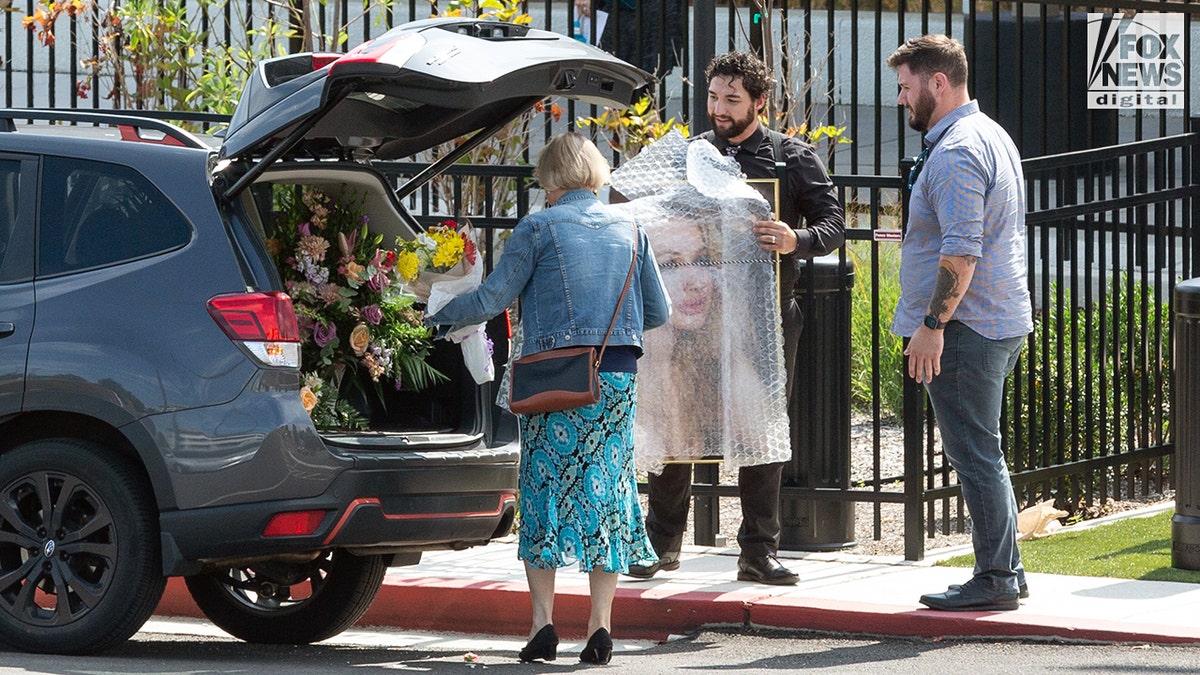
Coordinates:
737 127
922 111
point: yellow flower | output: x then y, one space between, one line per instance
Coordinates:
449 250
360 337
308 398
408 265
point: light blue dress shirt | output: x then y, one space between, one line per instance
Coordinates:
968 200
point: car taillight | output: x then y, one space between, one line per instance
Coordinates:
263 323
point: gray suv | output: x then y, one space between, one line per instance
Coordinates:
150 417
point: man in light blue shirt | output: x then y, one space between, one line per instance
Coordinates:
964 300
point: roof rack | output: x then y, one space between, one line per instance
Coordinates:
131 126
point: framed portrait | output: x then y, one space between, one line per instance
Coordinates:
769 189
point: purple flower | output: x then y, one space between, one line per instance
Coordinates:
371 314
304 228
378 282
323 333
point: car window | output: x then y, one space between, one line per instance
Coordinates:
16 230
95 214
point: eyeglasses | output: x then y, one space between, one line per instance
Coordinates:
916 168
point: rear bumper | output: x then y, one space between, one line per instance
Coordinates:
389 503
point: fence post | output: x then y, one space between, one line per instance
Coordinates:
704 39
913 419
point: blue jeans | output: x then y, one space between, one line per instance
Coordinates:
967 397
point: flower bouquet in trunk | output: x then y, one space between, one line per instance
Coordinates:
357 326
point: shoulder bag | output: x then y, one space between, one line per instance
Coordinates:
566 378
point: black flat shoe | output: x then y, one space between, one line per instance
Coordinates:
543 646
667 562
972 597
1022 589
598 649
765 570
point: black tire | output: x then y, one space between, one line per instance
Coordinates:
80 568
290 603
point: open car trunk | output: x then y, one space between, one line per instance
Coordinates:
455 408
319 120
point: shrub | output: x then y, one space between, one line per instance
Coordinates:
870 327
1094 381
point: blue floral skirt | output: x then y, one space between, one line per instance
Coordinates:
579 500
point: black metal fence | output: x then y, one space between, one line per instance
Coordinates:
1028 61
1088 409
1110 234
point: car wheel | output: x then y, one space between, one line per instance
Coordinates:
80 568
290 603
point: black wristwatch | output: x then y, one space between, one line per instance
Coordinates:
932 322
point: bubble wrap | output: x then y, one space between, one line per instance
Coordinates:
712 382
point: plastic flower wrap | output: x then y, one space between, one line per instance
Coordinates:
346 289
439 265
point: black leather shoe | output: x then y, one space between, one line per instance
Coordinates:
598 649
972 597
543 646
766 570
1022 588
667 562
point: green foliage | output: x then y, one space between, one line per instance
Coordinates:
1129 548
173 55
863 323
1094 380
633 128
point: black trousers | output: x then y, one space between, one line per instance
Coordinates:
670 493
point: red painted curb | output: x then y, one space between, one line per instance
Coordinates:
503 608
176 601
855 617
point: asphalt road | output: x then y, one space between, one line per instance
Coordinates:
184 647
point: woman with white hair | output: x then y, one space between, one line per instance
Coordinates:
578 490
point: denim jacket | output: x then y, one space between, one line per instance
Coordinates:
568 264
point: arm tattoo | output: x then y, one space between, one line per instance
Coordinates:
946 287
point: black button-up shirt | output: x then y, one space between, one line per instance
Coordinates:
809 201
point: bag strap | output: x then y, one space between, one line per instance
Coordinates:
780 161
621 300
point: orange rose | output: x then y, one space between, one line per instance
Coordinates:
354 272
360 337
308 398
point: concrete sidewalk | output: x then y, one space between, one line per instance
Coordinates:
483 590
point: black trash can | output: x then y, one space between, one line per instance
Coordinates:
821 411
1185 525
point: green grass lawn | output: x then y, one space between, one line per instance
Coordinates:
1130 548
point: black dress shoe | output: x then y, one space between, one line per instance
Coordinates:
598 649
543 646
765 570
1022 589
667 562
972 597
